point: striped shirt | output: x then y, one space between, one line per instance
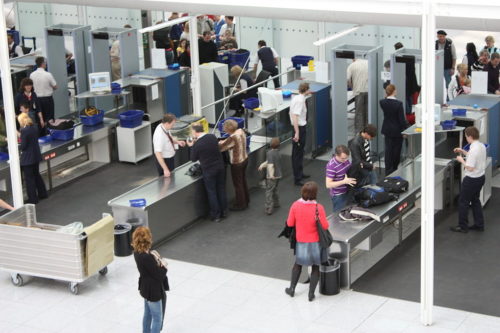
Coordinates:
336 171
366 147
477 66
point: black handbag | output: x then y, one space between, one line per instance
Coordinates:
325 237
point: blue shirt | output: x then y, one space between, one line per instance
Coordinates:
218 26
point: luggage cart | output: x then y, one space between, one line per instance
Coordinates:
38 249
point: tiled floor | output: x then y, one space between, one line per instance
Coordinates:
206 299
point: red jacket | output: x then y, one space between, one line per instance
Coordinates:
302 216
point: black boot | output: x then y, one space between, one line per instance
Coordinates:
314 281
296 270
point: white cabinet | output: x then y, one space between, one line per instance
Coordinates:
134 144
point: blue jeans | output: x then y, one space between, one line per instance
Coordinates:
447 77
339 202
153 317
169 57
373 177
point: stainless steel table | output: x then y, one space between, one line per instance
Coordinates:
174 203
360 245
93 142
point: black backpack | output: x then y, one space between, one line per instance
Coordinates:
372 195
394 184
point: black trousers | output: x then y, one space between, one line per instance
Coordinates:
298 154
274 71
215 185
35 187
47 106
170 162
393 147
469 195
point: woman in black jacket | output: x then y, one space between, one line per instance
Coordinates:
153 272
26 95
30 159
394 123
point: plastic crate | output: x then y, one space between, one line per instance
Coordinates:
62 135
131 118
249 138
224 58
448 124
467 147
92 120
239 58
116 88
459 112
301 60
251 103
239 121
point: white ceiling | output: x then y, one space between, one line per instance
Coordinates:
452 14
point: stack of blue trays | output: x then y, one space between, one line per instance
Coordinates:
116 88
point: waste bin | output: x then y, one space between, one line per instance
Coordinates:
329 278
123 239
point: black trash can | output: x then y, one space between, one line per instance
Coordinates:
329 278
123 239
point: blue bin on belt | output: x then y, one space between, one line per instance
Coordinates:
301 60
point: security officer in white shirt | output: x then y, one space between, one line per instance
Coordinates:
472 183
44 85
164 145
298 118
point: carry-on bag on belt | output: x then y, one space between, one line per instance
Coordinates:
394 184
372 195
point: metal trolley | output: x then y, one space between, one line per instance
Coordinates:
38 249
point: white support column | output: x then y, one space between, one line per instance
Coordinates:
195 66
322 47
427 218
10 117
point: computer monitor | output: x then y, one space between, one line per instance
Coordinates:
269 99
99 82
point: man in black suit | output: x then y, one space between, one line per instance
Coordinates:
205 149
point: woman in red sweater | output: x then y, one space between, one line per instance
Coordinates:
308 252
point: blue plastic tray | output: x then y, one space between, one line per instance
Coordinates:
467 147
131 118
458 112
301 60
240 121
251 103
92 120
448 124
62 135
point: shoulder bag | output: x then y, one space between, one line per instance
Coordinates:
325 237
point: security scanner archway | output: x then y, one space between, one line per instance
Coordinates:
57 39
341 58
403 58
100 43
